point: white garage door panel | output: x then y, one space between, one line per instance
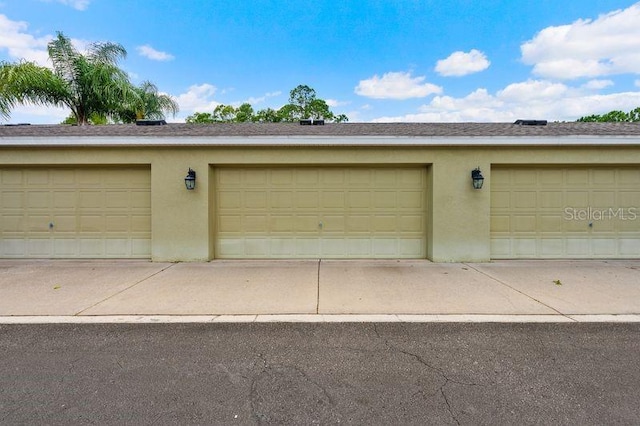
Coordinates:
310 212
75 212
570 212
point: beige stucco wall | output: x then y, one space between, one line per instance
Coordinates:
459 216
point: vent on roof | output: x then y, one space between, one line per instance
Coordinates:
310 122
150 122
531 122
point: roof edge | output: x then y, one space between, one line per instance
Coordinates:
317 141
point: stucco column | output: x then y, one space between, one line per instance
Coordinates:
180 218
460 215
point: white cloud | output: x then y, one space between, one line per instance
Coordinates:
253 100
396 85
354 116
76 4
597 84
335 103
532 91
198 98
37 114
637 83
153 54
21 45
533 99
461 63
607 45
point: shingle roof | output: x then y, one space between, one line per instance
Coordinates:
176 130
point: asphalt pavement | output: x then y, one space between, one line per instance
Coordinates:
286 373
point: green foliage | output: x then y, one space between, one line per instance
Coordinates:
301 98
200 118
224 114
613 117
342 118
634 115
244 113
268 115
289 113
148 104
95 119
303 103
91 85
26 82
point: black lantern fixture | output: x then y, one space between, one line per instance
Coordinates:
190 179
477 178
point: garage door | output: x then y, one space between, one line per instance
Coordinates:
570 212
75 212
329 212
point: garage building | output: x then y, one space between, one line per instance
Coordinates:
335 191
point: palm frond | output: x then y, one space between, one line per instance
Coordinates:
63 56
26 82
148 103
106 53
91 85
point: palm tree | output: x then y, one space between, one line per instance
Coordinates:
89 84
148 103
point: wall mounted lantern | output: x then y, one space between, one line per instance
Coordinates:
477 178
190 179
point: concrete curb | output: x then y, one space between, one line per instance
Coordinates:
174 319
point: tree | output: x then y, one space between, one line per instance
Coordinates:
289 113
267 115
613 117
200 118
90 85
224 114
301 97
318 109
303 103
148 103
244 113
93 119
342 118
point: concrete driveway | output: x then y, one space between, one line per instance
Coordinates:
560 290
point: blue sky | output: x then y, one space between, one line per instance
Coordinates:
410 60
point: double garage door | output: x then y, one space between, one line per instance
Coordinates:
565 212
320 212
80 212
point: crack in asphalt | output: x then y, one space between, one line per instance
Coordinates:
446 400
310 380
431 367
277 371
259 417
